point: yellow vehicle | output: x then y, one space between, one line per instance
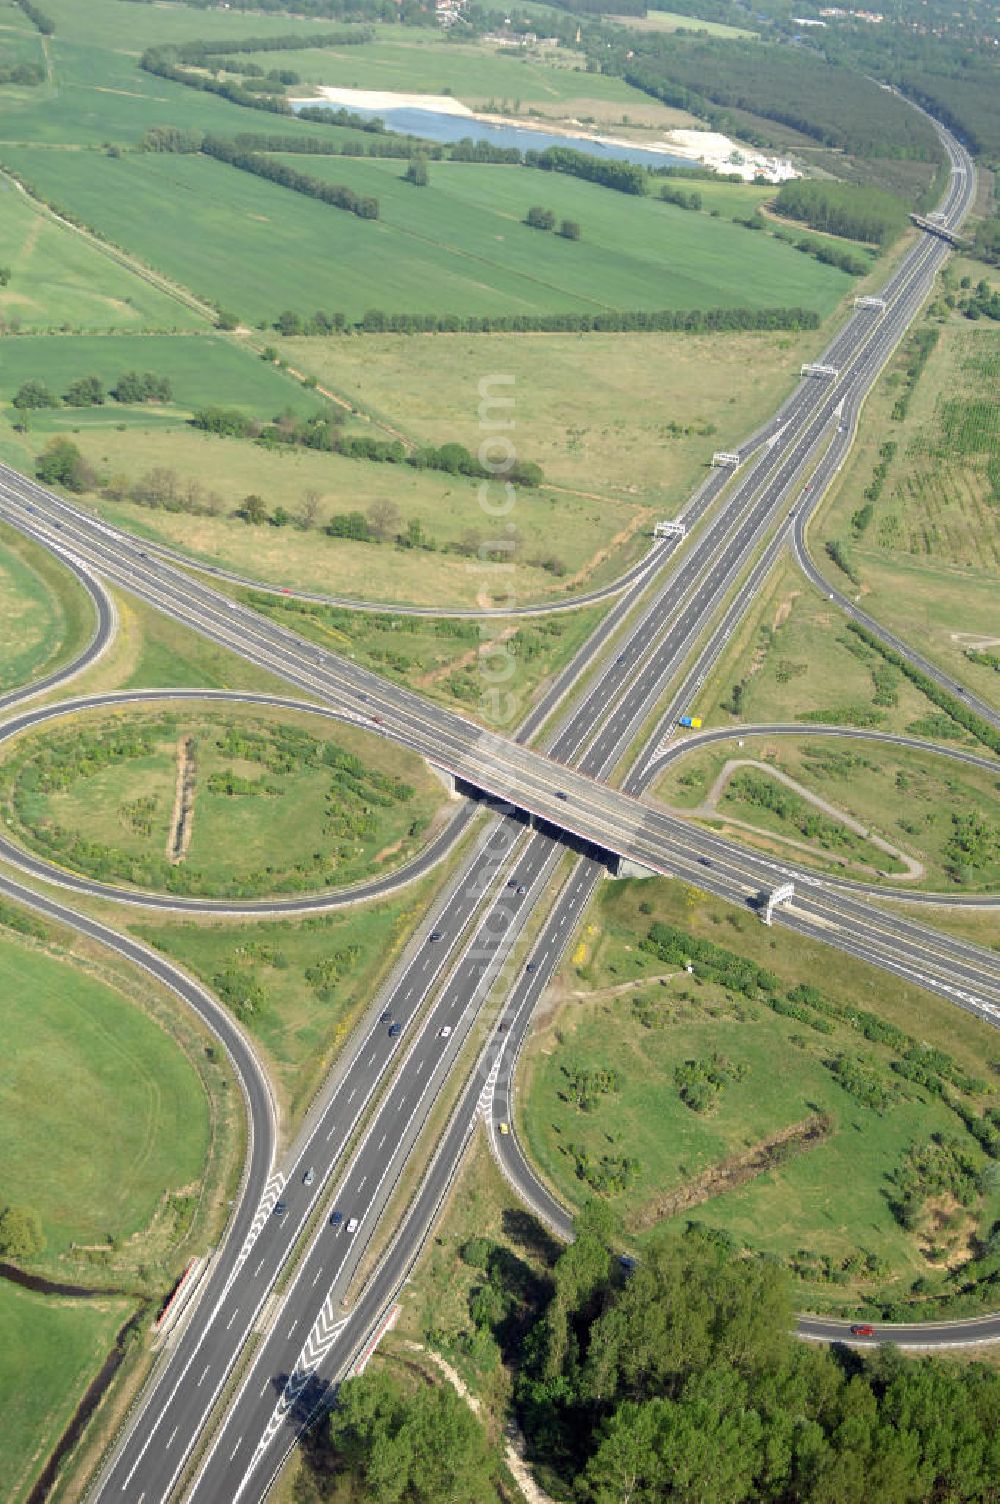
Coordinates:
504 1127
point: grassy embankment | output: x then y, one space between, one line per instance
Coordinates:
822 1206
926 548
793 657
282 804
121 1131
943 815
44 615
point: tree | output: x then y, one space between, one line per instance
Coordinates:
305 517
418 1447
384 518
21 1235
61 464
225 319
569 230
34 394
540 218
253 509
85 391
417 172
288 322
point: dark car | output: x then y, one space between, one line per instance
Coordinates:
336 1218
862 1331
280 1210
531 966
561 795
434 935
386 1017
395 1030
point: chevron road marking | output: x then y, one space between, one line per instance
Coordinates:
268 1201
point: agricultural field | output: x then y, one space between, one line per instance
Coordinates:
202 370
50 1350
750 1097
219 804
634 252
793 658
916 510
457 246
667 20
600 413
59 280
103 1119
562 541
941 817
298 986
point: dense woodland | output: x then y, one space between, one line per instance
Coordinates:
674 1379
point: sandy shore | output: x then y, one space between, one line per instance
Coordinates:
701 148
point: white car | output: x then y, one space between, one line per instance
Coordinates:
445 1033
352 1226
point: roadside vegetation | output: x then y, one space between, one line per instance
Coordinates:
297 985
694 1065
490 670
915 515
44 617
218 804
629 1379
942 815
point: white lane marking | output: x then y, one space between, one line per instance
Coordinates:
231 1319
353 1095
171 1437
318 1273
361 1182
258 1268
331 1133
203 1377
236 1449
293 1326
382 1139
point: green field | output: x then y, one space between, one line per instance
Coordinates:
456 246
282 805
50 1350
599 413
944 815
561 540
101 1115
301 1021
202 369
668 20
827 1200
60 280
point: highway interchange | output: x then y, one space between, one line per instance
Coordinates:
360 1137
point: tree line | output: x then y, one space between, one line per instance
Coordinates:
89 391
202 52
336 194
322 431
38 18
610 321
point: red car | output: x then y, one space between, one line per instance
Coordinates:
862 1331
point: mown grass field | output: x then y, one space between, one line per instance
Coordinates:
61 281
456 246
269 813
667 20
592 538
100 1112
300 1024
831 1198
203 370
50 1350
911 799
635 418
